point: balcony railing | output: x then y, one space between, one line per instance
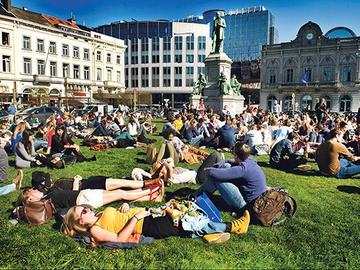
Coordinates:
112 84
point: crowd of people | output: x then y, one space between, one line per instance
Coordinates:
290 141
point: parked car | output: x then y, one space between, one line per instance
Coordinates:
79 111
4 116
41 113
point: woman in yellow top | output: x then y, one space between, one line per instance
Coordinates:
121 225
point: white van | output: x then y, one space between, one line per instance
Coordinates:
102 108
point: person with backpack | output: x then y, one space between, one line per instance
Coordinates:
239 181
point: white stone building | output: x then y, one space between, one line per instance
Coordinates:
163 58
313 66
49 60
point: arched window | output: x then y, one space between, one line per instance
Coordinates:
328 102
306 103
345 103
270 102
287 104
54 93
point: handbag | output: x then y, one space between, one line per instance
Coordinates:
208 207
35 213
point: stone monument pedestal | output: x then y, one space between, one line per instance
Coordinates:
217 63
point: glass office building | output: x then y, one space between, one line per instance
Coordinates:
247 29
162 58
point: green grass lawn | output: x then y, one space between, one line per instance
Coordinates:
325 232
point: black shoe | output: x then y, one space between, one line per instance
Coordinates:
93 158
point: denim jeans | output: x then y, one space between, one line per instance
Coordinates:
228 191
40 144
209 228
196 140
7 189
347 169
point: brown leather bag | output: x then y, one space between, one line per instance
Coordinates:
273 207
35 213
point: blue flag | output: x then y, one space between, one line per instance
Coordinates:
306 77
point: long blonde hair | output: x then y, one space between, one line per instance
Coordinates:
71 224
20 128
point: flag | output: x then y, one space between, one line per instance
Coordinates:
306 77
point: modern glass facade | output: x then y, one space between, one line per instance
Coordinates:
161 57
247 29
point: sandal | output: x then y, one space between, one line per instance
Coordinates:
151 182
155 191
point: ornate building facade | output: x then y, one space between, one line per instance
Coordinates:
50 60
312 66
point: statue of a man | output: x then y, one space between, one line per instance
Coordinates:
225 87
235 85
199 85
218 34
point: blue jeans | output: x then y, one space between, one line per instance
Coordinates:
347 169
228 191
7 189
40 144
211 227
196 140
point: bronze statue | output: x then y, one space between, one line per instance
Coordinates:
199 85
218 34
235 85
225 87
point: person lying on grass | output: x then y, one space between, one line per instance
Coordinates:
126 225
63 199
43 182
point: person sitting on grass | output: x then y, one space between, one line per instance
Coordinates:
63 145
63 199
239 181
328 157
226 136
282 156
178 150
26 157
125 225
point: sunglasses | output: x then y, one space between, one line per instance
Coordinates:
84 211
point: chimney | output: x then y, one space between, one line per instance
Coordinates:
6 4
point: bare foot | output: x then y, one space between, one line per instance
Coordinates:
18 179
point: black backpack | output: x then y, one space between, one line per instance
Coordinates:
273 207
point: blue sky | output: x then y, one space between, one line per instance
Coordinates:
289 14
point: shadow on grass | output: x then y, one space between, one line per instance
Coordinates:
349 189
311 172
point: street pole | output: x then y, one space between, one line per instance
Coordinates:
15 95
